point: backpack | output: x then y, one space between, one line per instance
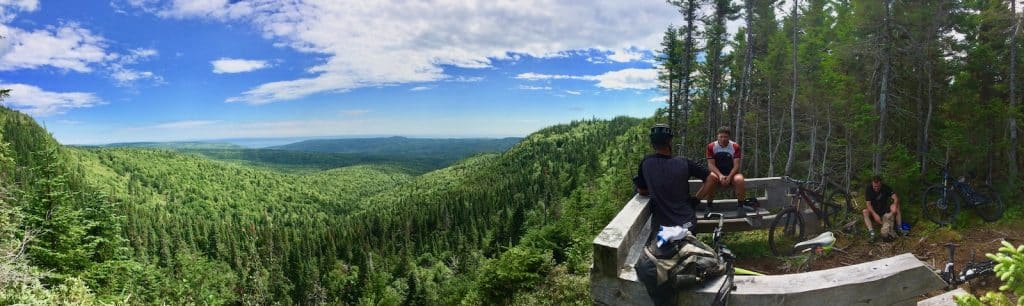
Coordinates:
685 263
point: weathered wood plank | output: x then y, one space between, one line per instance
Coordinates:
945 299
895 280
898 280
611 246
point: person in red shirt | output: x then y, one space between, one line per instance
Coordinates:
724 157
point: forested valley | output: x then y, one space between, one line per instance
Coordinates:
812 88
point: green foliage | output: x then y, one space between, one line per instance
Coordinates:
517 269
1010 270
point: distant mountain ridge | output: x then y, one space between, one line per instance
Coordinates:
437 147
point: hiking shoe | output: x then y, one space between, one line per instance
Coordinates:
872 238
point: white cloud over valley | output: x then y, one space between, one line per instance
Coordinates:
38 102
374 43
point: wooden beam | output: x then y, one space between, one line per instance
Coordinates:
945 299
895 280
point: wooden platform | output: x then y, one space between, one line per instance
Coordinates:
898 280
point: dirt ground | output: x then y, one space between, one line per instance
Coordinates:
926 245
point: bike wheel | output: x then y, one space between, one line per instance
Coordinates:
940 205
838 209
991 207
786 231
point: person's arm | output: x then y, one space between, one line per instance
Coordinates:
895 199
641 182
871 208
736 161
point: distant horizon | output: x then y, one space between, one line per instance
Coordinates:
288 140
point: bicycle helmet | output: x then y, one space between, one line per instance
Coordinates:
661 134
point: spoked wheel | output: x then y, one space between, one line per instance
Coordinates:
939 206
991 207
786 231
838 209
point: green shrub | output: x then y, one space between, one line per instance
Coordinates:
1010 270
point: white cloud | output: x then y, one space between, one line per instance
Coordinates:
233 65
375 43
67 47
9 7
420 88
465 79
659 99
184 124
37 102
573 92
626 55
630 78
527 87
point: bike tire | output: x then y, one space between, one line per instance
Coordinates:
993 207
786 231
941 210
838 209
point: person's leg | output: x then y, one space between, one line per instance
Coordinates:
707 190
898 216
867 220
741 190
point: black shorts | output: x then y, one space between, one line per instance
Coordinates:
882 209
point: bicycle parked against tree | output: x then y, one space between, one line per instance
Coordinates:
833 207
941 203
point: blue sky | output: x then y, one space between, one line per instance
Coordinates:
151 70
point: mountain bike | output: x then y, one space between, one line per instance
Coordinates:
833 206
971 271
941 206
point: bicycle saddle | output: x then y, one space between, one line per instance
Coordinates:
825 239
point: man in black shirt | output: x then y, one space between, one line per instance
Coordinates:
878 197
665 179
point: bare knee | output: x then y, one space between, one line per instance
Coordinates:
866 212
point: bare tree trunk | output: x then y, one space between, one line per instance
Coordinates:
757 148
748 63
691 16
828 136
771 149
1012 154
814 144
849 159
883 95
792 101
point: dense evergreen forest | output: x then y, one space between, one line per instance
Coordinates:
849 88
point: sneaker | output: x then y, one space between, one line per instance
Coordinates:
902 233
872 237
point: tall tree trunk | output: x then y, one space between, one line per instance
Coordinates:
883 95
792 101
691 16
748 63
828 137
814 144
1012 153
